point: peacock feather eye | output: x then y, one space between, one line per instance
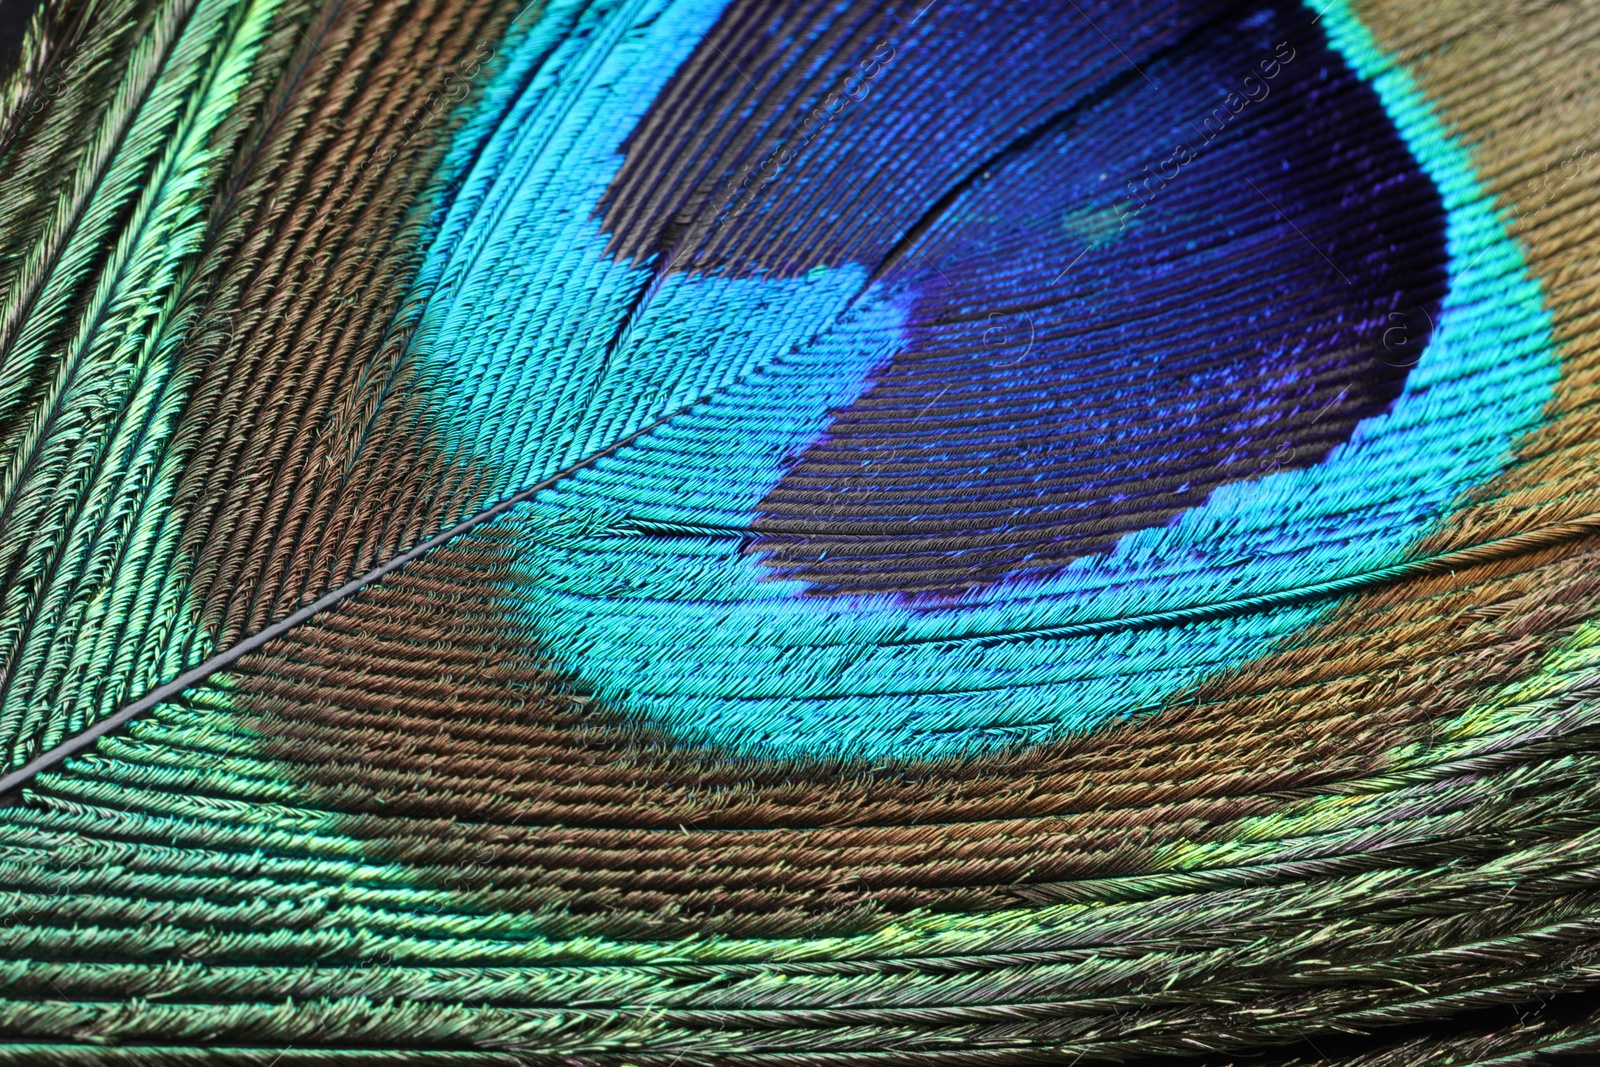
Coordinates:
799 532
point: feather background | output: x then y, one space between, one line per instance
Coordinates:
629 532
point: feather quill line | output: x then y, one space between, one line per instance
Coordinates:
87 737
1483 552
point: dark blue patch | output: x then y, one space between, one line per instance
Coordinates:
1211 272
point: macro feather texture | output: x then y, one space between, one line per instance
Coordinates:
713 531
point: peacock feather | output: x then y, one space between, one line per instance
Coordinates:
796 532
